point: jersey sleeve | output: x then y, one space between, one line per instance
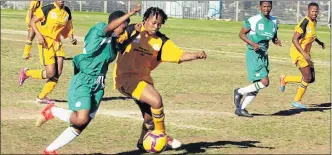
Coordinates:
171 52
301 27
247 24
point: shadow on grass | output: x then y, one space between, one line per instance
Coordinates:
200 147
104 99
313 107
70 58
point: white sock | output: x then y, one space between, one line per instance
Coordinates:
62 114
251 88
248 99
66 137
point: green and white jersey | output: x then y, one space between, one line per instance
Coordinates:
99 51
262 30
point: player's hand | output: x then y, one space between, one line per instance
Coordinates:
306 56
277 42
41 41
138 27
73 41
322 44
136 9
256 46
201 55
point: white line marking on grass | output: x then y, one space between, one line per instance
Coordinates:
229 54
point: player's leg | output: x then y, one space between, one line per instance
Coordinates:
258 69
284 79
307 78
28 43
79 115
56 71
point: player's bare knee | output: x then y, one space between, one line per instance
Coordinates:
265 82
156 102
50 74
312 80
307 79
82 121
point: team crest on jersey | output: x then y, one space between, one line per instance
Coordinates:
53 15
156 47
260 26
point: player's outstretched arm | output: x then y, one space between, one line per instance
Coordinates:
243 36
320 43
114 24
192 56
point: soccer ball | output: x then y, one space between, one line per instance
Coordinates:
155 141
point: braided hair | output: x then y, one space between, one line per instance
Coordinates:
155 11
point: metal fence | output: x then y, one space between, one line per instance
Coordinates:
287 12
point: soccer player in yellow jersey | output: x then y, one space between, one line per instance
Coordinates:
142 51
34 5
56 21
305 34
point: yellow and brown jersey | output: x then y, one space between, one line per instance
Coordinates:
307 28
34 5
54 22
143 54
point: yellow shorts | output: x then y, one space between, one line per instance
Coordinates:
133 88
299 60
47 56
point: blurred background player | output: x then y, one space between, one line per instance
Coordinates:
257 32
56 21
86 88
34 5
141 53
304 35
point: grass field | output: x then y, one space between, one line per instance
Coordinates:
198 96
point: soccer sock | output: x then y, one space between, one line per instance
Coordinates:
62 114
158 119
251 88
27 47
36 74
66 137
248 99
300 91
49 86
296 79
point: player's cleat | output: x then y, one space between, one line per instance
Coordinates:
23 76
237 98
49 152
141 147
44 101
173 143
46 115
298 105
282 83
243 113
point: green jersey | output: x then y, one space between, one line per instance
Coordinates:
98 52
262 30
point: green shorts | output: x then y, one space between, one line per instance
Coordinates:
257 64
84 94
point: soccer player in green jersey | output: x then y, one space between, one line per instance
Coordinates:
86 88
257 31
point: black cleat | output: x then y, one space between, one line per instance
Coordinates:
237 98
141 148
242 112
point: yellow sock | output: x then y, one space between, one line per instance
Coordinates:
27 47
300 91
36 74
158 119
49 86
296 79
